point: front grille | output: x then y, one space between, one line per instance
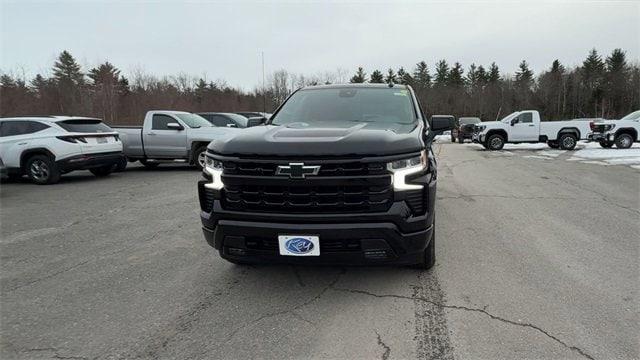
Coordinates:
339 187
271 245
598 128
304 198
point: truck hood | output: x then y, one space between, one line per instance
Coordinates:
336 139
493 125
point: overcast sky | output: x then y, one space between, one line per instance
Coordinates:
224 40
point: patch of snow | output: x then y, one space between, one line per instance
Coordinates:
551 153
593 153
537 157
525 146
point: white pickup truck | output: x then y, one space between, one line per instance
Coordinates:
169 136
526 127
623 133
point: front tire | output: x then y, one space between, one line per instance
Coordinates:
568 141
606 144
624 141
495 142
102 171
199 157
461 140
42 170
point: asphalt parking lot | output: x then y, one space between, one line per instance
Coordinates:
535 259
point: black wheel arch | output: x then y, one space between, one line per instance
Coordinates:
500 132
569 130
192 152
31 152
630 131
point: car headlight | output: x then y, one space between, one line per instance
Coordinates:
480 128
609 127
402 168
213 167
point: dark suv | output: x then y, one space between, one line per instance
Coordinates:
464 129
340 174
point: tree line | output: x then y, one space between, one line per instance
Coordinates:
606 87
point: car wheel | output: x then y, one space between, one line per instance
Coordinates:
495 142
102 171
605 144
624 141
199 157
148 164
568 141
461 140
429 258
453 139
553 144
42 170
121 165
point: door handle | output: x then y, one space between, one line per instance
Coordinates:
22 143
151 134
531 125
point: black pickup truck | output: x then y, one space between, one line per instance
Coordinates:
340 174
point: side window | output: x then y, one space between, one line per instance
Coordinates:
209 117
12 128
526 118
159 122
222 121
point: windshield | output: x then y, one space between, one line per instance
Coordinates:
510 116
84 126
375 105
194 121
633 116
469 120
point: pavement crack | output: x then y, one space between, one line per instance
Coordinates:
48 276
469 309
56 353
387 349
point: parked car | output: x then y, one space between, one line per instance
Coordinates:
169 136
250 114
340 174
446 118
45 147
232 120
526 127
464 129
623 133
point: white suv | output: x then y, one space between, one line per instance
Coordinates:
44 147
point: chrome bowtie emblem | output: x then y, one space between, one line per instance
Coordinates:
297 170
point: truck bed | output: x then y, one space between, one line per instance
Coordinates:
131 137
551 128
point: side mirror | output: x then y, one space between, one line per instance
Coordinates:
256 120
514 121
439 124
174 126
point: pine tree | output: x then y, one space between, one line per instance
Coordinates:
482 75
66 69
472 75
455 75
421 76
617 83
391 77
69 81
359 77
494 73
442 72
377 77
593 71
524 76
404 77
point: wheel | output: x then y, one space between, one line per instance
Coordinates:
606 144
553 144
42 170
199 157
461 140
623 141
121 165
150 165
567 141
495 142
453 139
102 171
429 253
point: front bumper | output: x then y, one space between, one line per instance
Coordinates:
478 137
600 136
393 237
89 161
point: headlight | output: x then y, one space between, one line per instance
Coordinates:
213 167
609 127
404 167
480 128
